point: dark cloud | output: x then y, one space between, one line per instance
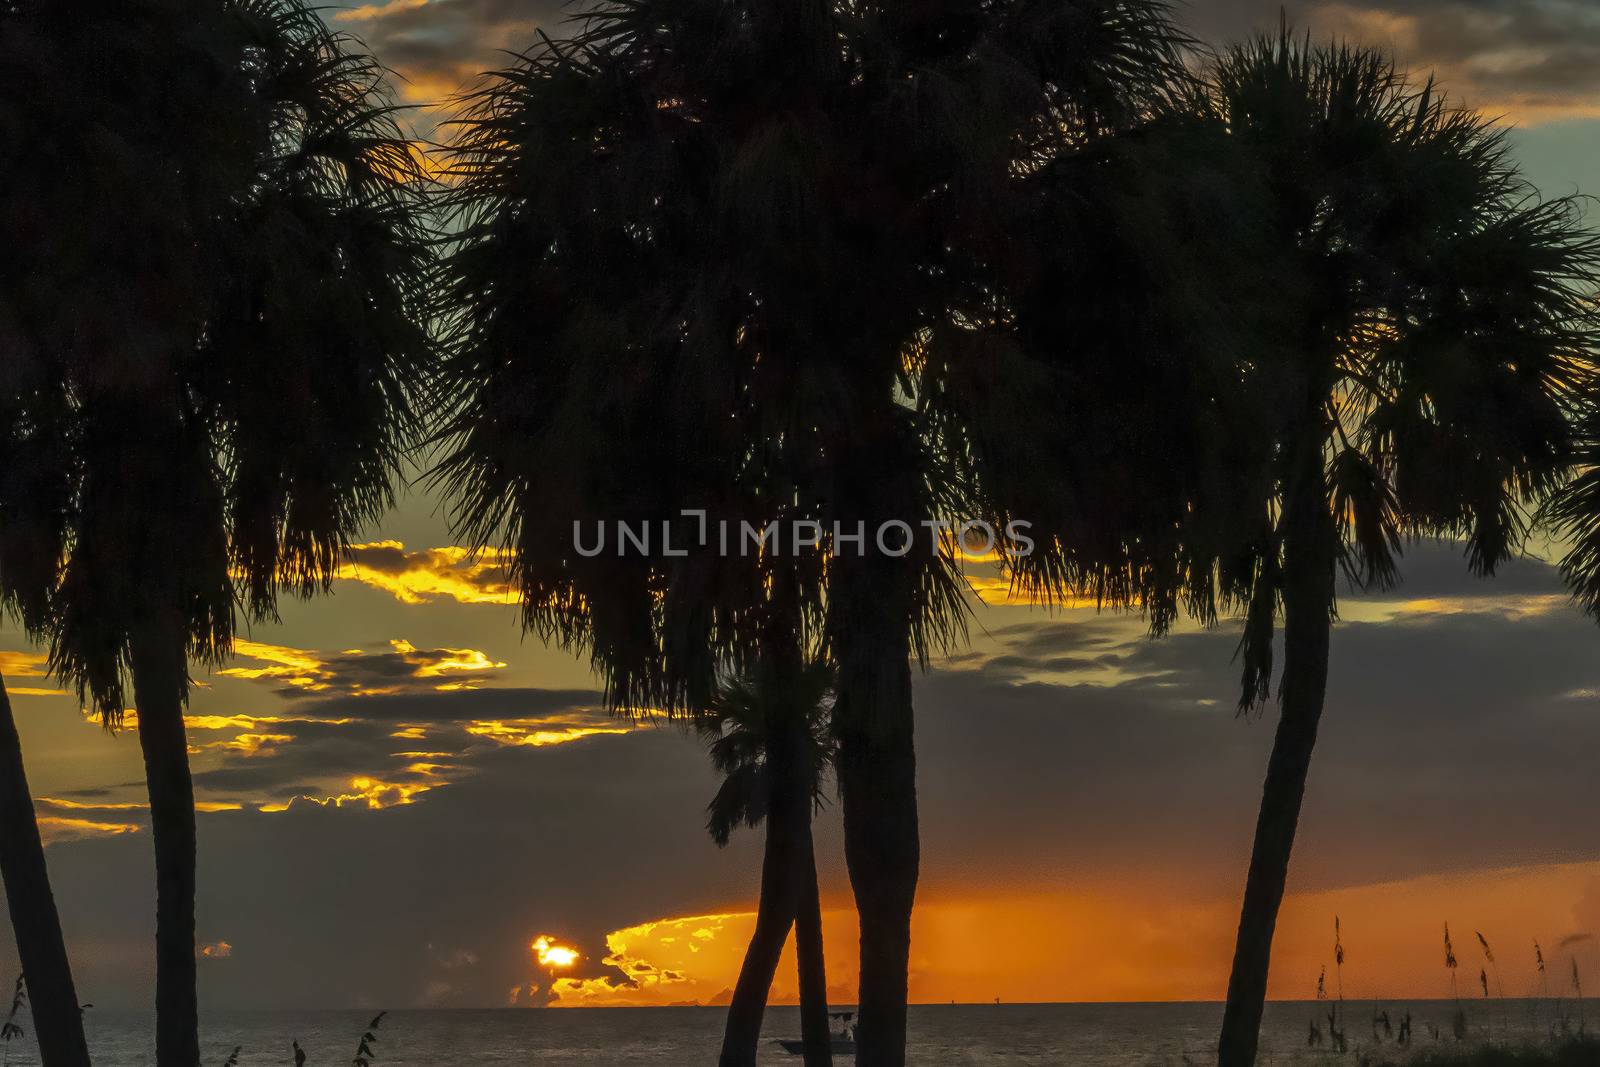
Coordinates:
439 47
1040 638
454 706
1535 58
339 905
1448 744
397 668
1437 569
312 752
382 750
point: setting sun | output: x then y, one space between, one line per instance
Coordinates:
553 955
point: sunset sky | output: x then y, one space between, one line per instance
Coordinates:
405 803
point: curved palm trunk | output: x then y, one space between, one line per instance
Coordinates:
808 957
877 770
57 1023
1307 624
787 840
160 677
774 916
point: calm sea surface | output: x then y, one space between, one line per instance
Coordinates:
1088 1035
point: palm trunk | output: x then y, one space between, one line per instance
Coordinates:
774 916
160 681
814 1032
877 771
788 824
877 783
57 1022
1309 561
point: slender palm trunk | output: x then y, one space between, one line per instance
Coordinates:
1309 561
877 783
57 1023
877 771
788 832
774 916
160 679
808 957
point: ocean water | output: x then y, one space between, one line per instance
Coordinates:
1082 1035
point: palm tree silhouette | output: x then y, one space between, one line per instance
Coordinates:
33 530
1573 512
566 405
227 360
58 1025
701 250
1443 330
769 739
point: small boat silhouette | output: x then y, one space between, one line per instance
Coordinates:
840 1040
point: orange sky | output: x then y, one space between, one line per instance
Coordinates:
1143 945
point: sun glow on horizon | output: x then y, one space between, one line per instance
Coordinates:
552 955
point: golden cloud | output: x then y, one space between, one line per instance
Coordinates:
56 828
359 673
998 590
445 661
78 805
22 664
373 793
60 804
367 12
295 666
1511 607
256 744
662 963
448 573
216 950
252 722
17 664
537 733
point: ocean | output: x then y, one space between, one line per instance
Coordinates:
1082 1035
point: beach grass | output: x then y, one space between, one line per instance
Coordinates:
1575 1052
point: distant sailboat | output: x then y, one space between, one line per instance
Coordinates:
840 1040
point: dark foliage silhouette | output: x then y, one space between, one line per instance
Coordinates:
769 739
220 326
1445 320
703 249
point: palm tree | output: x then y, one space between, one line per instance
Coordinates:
770 741
233 380
586 217
1444 330
701 247
58 1025
33 520
1573 512
31 528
